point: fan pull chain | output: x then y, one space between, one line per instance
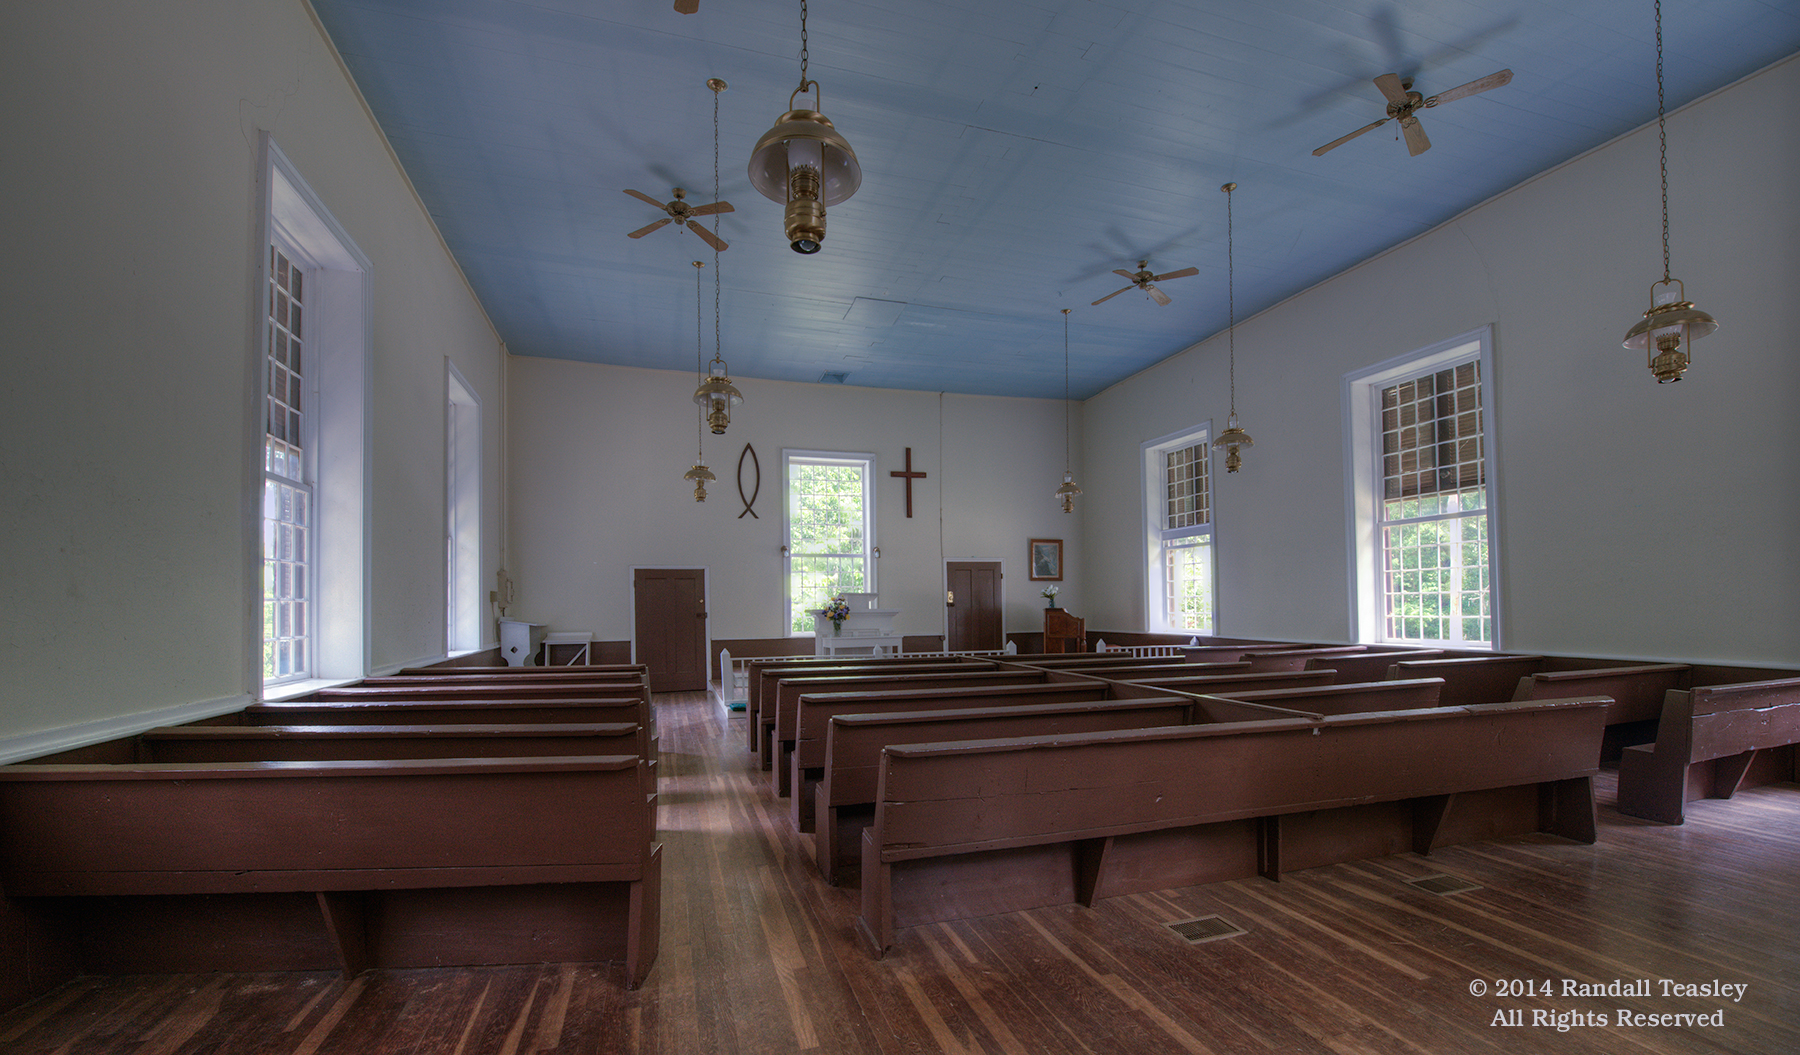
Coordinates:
1662 140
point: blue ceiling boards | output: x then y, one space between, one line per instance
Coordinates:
1014 154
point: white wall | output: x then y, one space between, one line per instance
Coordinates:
597 454
1634 519
127 254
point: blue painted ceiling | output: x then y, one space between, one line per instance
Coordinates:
1015 152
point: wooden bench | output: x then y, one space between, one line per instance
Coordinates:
629 710
579 670
536 689
1636 690
1711 741
1361 698
309 743
1264 662
781 705
813 714
765 676
846 793
1234 682
258 866
977 827
1471 679
1368 666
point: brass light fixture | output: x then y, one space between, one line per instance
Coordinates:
1233 437
1068 490
699 474
804 163
716 395
1672 323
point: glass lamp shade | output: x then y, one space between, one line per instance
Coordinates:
717 395
699 474
805 164
1231 439
1067 492
1667 329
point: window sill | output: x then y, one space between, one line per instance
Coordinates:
289 689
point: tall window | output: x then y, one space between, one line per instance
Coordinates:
462 515
830 530
287 477
314 451
1428 483
1178 512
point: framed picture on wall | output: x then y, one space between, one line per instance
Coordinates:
1046 560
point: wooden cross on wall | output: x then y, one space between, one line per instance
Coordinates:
909 476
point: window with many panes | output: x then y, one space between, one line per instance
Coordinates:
287 522
830 530
1421 435
1178 508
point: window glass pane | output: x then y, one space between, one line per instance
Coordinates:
828 545
286 505
1187 567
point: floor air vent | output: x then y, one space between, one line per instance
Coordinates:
1205 929
1444 885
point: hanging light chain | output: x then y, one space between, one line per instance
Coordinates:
699 365
1065 312
1662 141
1231 300
803 55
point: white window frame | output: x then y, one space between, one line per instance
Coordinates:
789 456
1363 475
339 323
462 513
1153 456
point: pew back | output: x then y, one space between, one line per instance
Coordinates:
1471 679
274 743
1365 697
1637 691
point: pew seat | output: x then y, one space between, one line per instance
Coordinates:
977 827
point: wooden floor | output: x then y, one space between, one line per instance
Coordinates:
758 955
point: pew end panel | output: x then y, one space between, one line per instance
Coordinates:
1711 741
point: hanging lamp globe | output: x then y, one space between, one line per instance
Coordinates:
717 396
804 163
1230 440
1671 324
1067 492
699 474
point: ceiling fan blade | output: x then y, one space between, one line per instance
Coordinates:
1492 80
642 231
1111 295
1183 273
1416 143
641 196
1340 141
708 210
707 236
1122 273
687 7
1390 86
1157 295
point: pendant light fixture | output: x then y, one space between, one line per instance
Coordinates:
804 163
716 394
1068 490
699 474
1233 437
1672 323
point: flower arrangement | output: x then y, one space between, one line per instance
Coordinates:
1050 593
835 610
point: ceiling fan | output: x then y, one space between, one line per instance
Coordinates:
1142 278
1403 103
683 213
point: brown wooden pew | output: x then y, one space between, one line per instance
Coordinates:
1710 741
1234 682
1233 652
1149 668
1359 698
780 702
1369 666
977 827
1264 662
536 689
259 866
308 743
814 711
764 675
1637 693
1092 661
441 712
589 670
1470 679
846 793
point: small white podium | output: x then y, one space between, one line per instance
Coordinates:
519 641
867 630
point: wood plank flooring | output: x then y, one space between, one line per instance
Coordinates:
758 955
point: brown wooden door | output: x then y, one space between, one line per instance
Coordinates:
974 614
671 627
